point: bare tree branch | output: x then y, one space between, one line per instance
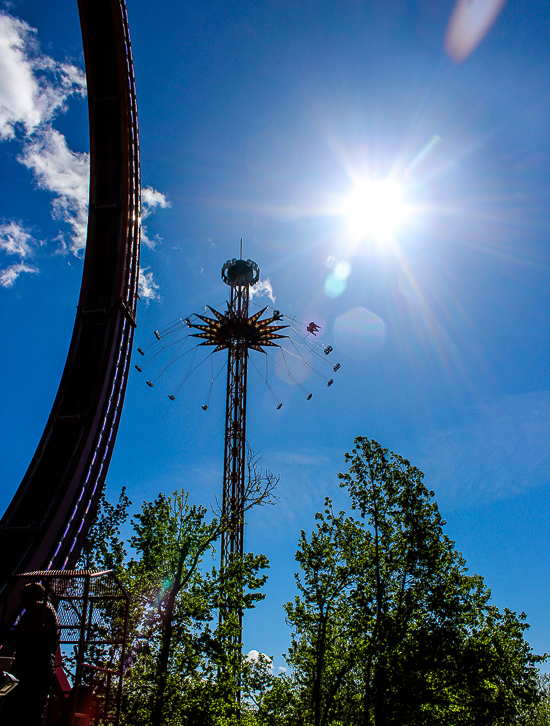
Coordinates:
259 487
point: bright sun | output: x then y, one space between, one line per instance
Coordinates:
375 209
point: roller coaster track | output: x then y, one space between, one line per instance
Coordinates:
47 521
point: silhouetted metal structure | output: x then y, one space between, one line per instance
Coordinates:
46 522
92 612
235 331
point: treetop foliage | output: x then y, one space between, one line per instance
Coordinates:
388 626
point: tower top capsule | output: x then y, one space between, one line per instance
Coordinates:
240 273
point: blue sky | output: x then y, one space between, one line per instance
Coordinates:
261 121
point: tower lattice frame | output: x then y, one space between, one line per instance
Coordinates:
234 462
238 333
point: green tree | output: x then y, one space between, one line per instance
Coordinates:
188 663
170 540
389 628
184 671
537 714
103 548
321 614
267 700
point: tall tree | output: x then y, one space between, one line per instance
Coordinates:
103 547
389 628
321 613
175 602
537 714
170 540
185 669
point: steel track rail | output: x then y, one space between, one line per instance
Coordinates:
46 522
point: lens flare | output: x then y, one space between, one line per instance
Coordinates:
375 209
360 333
336 282
470 22
291 368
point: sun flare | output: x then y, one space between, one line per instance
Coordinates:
375 209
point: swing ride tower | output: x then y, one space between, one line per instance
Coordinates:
238 332
235 331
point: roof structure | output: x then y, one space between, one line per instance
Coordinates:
222 329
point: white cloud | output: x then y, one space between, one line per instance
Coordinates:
14 240
151 243
261 288
150 200
503 450
64 173
148 288
260 659
33 90
33 87
17 85
10 274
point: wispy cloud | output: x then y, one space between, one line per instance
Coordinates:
66 174
148 288
16 241
151 200
33 86
34 89
501 452
261 288
148 241
10 274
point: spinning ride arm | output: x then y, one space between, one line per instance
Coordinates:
47 521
